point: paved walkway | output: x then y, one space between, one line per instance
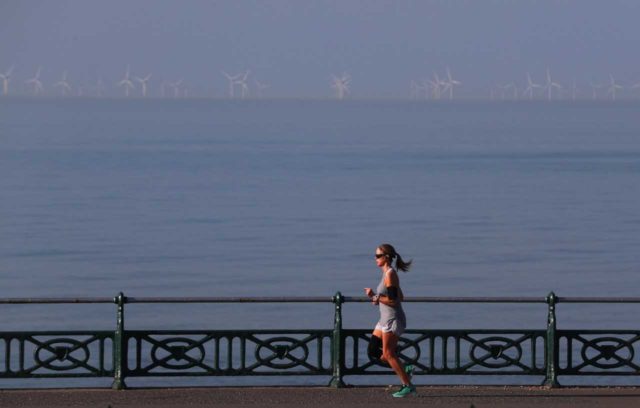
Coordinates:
285 397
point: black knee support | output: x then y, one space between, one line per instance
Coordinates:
375 348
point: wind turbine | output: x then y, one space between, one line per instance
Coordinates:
6 77
63 84
163 87
126 82
428 86
175 86
574 90
507 87
341 85
232 82
636 85
431 88
594 90
436 84
451 83
261 86
503 91
37 85
415 88
143 82
99 88
550 84
612 88
530 87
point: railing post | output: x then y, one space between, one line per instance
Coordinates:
119 346
337 344
551 381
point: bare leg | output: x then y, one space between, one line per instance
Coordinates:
389 344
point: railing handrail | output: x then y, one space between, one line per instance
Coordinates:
317 299
14 301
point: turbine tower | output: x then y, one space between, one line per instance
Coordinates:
99 88
6 77
143 82
63 84
163 88
574 90
612 88
414 90
126 82
35 81
594 90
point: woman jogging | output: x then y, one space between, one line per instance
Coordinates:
388 297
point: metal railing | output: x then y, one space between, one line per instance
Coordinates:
337 352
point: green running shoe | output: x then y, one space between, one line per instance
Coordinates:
405 391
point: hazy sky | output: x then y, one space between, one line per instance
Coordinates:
296 45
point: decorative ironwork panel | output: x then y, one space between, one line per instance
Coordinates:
232 352
454 352
56 354
595 352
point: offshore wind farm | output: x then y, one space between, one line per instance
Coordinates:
336 50
243 85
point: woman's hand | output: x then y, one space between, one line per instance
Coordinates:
368 292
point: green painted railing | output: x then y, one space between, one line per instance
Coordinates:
335 353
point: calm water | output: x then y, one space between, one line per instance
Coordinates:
278 198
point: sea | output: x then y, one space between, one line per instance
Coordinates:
195 197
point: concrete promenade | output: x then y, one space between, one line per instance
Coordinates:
429 396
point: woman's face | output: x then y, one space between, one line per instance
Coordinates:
381 259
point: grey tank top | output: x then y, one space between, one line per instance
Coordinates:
390 315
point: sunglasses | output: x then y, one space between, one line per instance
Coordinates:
380 255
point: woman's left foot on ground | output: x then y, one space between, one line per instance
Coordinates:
405 391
